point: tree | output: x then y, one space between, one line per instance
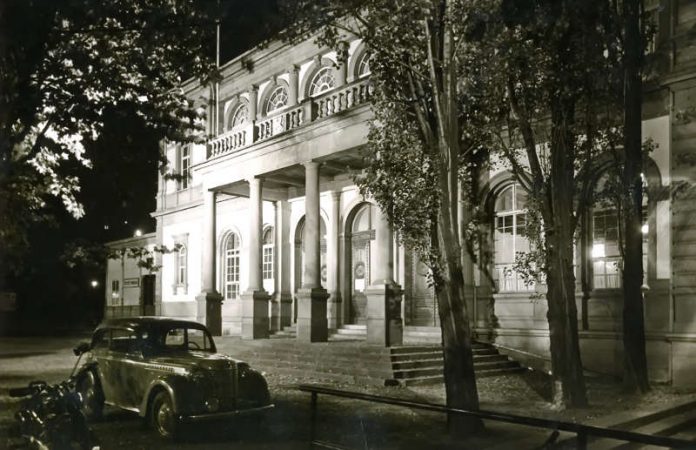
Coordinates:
425 147
635 360
64 64
555 75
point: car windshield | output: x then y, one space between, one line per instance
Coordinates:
181 338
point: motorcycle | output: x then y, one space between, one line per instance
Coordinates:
51 417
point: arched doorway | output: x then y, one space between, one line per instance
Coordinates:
300 260
360 234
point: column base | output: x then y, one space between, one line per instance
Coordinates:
209 311
384 323
285 313
333 313
312 325
255 322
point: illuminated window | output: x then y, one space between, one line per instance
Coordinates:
364 65
240 116
606 258
231 267
267 263
184 166
277 100
510 238
323 81
181 266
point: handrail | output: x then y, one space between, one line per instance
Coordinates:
582 431
310 109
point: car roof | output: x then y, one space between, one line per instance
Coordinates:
145 321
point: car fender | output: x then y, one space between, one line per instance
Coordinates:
169 383
90 366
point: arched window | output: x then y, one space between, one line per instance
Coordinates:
181 266
510 238
231 267
277 100
240 116
322 81
267 264
364 65
606 252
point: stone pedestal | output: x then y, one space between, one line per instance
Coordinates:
209 307
255 315
384 323
312 325
334 310
285 310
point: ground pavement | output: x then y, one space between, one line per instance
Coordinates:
349 423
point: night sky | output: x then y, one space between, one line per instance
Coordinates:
118 195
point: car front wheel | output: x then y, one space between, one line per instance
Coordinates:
91 396
162 416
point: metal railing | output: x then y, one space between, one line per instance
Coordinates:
582 431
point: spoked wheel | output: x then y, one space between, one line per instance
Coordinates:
162 416
90 396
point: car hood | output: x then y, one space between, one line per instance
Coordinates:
202 360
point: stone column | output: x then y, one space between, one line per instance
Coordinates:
342 71
253 102
255 299
334 263
209 300
293 86
311 314
284 270
384 322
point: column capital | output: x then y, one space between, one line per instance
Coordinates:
253 88
311 164
294 69
336 195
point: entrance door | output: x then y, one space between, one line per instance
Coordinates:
148 293
361 235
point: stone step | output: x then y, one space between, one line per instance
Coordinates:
352 331
350 326
374 371
328 376
671 426
426 371
678 421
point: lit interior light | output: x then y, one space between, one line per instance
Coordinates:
644 229
94 283
138 233
598 251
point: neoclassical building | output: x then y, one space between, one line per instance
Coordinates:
273 233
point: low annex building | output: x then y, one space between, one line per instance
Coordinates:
272 232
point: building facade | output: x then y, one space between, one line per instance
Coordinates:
272 232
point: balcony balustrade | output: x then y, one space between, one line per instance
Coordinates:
309 110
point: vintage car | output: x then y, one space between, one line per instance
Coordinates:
168 371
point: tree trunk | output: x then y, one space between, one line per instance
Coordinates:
569 384
635 361
460 379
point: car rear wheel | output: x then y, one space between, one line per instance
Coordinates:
162 416
91 396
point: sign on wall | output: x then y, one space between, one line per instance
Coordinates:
131 282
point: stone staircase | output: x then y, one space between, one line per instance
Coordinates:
350 360
423 364
675 420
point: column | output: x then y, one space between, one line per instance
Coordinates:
384 323
209 300
334 263
255 299
292 85
342 71
312 324
284 270
253 102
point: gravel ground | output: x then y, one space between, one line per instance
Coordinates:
350 423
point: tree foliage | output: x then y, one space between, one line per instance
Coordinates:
64 63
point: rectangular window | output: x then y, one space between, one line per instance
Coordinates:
184 166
